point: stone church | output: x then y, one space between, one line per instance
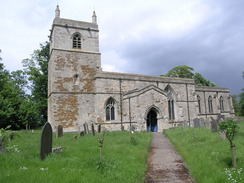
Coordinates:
80 92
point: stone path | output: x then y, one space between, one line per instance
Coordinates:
164 163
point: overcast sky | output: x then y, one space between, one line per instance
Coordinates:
139 36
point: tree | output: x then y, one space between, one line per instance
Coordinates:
187 72
181 72
36 69
201 81
230 128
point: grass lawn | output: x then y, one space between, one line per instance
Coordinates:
207 156
123 160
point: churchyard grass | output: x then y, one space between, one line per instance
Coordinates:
207 156
79 160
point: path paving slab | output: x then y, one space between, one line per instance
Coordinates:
165 165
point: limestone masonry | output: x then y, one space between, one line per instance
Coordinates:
80 92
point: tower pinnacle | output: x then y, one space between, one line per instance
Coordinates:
94 17
57 12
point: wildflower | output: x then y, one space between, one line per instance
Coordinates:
43 169
23 168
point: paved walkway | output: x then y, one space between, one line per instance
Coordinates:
164 163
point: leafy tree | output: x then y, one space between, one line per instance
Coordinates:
242 103
230 128
181 72
201 81
36 69
187 72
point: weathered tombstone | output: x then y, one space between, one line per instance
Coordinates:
60 131
93 130
214 125
221 118
132 128
46 140
82 133
201 121
99 128
84 125
87 129
185 124
27 126
222 135
196 123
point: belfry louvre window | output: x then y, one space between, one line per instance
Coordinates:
210 104
77 41
110 109
221 103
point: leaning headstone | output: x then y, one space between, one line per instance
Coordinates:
99 128
60 131
93 130
82 133
196 123
46 140
214 125
84 125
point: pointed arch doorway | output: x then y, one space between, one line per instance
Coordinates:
152 121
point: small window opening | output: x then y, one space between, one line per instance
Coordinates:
77 41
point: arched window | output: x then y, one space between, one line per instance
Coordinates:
210 104
170 96
171 109
110 113
199 104
77 41
221 103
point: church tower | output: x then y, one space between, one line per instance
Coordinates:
74 61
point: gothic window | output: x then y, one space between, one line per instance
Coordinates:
210 104
199 104
110 114
77 41
170 96
221 103
171 109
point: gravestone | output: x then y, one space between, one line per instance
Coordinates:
132 128
221 118
99 128
46 140
60 131
196 123
185 124
27 127
82 133
201 121
87 129
84 125
93 130
214 125
222 135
